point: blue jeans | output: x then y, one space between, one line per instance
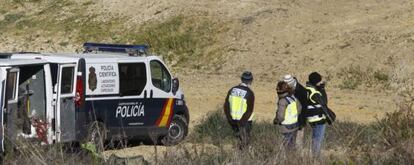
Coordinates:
318 133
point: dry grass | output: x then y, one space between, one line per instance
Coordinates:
386 141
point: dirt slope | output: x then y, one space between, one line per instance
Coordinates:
270 38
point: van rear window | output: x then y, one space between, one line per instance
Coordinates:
11 85
67 80
132 78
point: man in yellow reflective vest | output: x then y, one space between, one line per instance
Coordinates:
238 108
316 111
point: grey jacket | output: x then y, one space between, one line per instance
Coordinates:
281 110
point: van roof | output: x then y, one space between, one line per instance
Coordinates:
74 57
17 62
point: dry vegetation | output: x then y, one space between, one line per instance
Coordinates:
387 141
363 48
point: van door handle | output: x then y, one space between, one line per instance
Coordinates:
151 93
145 94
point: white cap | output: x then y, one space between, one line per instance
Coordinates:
290 80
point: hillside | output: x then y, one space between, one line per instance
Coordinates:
364 48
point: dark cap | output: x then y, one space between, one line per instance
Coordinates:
247 76
314 78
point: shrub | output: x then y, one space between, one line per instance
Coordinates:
381 76
10 19
178 38
214 128
350 84
355 76
396 128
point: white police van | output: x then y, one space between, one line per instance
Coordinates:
110 92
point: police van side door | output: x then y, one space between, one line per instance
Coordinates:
8 95
65 103
160 93
10 104
130 111
3 75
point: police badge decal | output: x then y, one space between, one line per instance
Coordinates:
92 81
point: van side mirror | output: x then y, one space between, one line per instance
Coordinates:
175 85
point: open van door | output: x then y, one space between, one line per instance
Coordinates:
2 107
65 106
9 102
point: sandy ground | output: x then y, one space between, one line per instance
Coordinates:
350 105
273 38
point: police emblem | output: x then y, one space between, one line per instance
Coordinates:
92 81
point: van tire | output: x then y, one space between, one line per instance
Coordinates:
97 135
177 131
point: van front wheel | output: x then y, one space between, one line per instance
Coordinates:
177 131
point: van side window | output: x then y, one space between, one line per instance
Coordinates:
11 85
132 78
67 80
160 77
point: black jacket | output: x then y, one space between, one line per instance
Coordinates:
302 95
319 99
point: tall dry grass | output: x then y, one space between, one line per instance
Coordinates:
389 140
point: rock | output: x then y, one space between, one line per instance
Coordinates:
116 160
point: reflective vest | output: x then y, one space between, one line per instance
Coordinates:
238 104
314 106
291 112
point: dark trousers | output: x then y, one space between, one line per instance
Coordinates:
289 140
242 132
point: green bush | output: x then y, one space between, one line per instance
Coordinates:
396 128
178 38
10 19
214 129
355 76
349 84
381 76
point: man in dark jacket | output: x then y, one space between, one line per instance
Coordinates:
238 108
317 111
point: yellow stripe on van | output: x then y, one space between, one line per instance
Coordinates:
166 116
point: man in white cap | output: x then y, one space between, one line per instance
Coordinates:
301 94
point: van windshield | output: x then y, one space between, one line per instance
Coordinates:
161 79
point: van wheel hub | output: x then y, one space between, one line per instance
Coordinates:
174 131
